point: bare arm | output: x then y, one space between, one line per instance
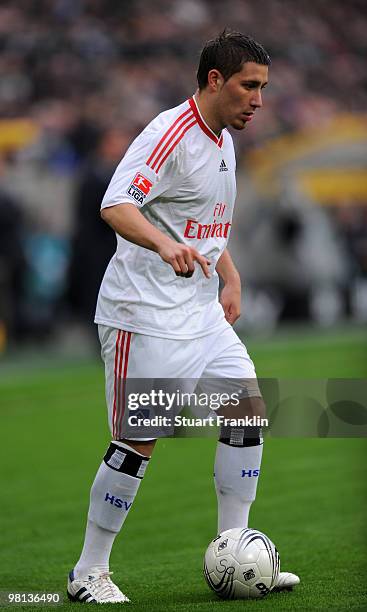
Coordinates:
128 222
230 297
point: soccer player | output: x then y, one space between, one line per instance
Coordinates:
170 203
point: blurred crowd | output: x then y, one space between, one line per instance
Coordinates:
78 66
80 78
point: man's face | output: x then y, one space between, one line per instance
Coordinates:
240 96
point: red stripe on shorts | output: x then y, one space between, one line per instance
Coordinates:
122 384
117 346
118 367
119 374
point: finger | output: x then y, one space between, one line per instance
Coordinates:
175 265
190 263
204 263
182 263
196 256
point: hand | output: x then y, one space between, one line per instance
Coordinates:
182 258
230 298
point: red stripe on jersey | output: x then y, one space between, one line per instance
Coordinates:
166 134
204 127
177 130
175 144
123 386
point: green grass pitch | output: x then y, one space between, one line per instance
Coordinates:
311 497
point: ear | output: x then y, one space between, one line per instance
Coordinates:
215 80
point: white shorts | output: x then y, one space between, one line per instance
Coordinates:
212 363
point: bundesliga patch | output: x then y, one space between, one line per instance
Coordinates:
140 187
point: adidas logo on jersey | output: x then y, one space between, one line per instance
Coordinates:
223 167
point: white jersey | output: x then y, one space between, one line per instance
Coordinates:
182 178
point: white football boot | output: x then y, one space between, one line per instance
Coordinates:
94 588
286 581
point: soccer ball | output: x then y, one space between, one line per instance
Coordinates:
241 564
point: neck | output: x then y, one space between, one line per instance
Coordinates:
207 112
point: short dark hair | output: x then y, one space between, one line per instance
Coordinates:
227 53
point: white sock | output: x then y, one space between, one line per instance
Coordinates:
113 492
236 474
96 550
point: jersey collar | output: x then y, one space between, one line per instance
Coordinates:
204 126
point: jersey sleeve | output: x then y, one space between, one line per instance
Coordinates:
136 179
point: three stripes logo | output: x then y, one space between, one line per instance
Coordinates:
170 139
223 167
